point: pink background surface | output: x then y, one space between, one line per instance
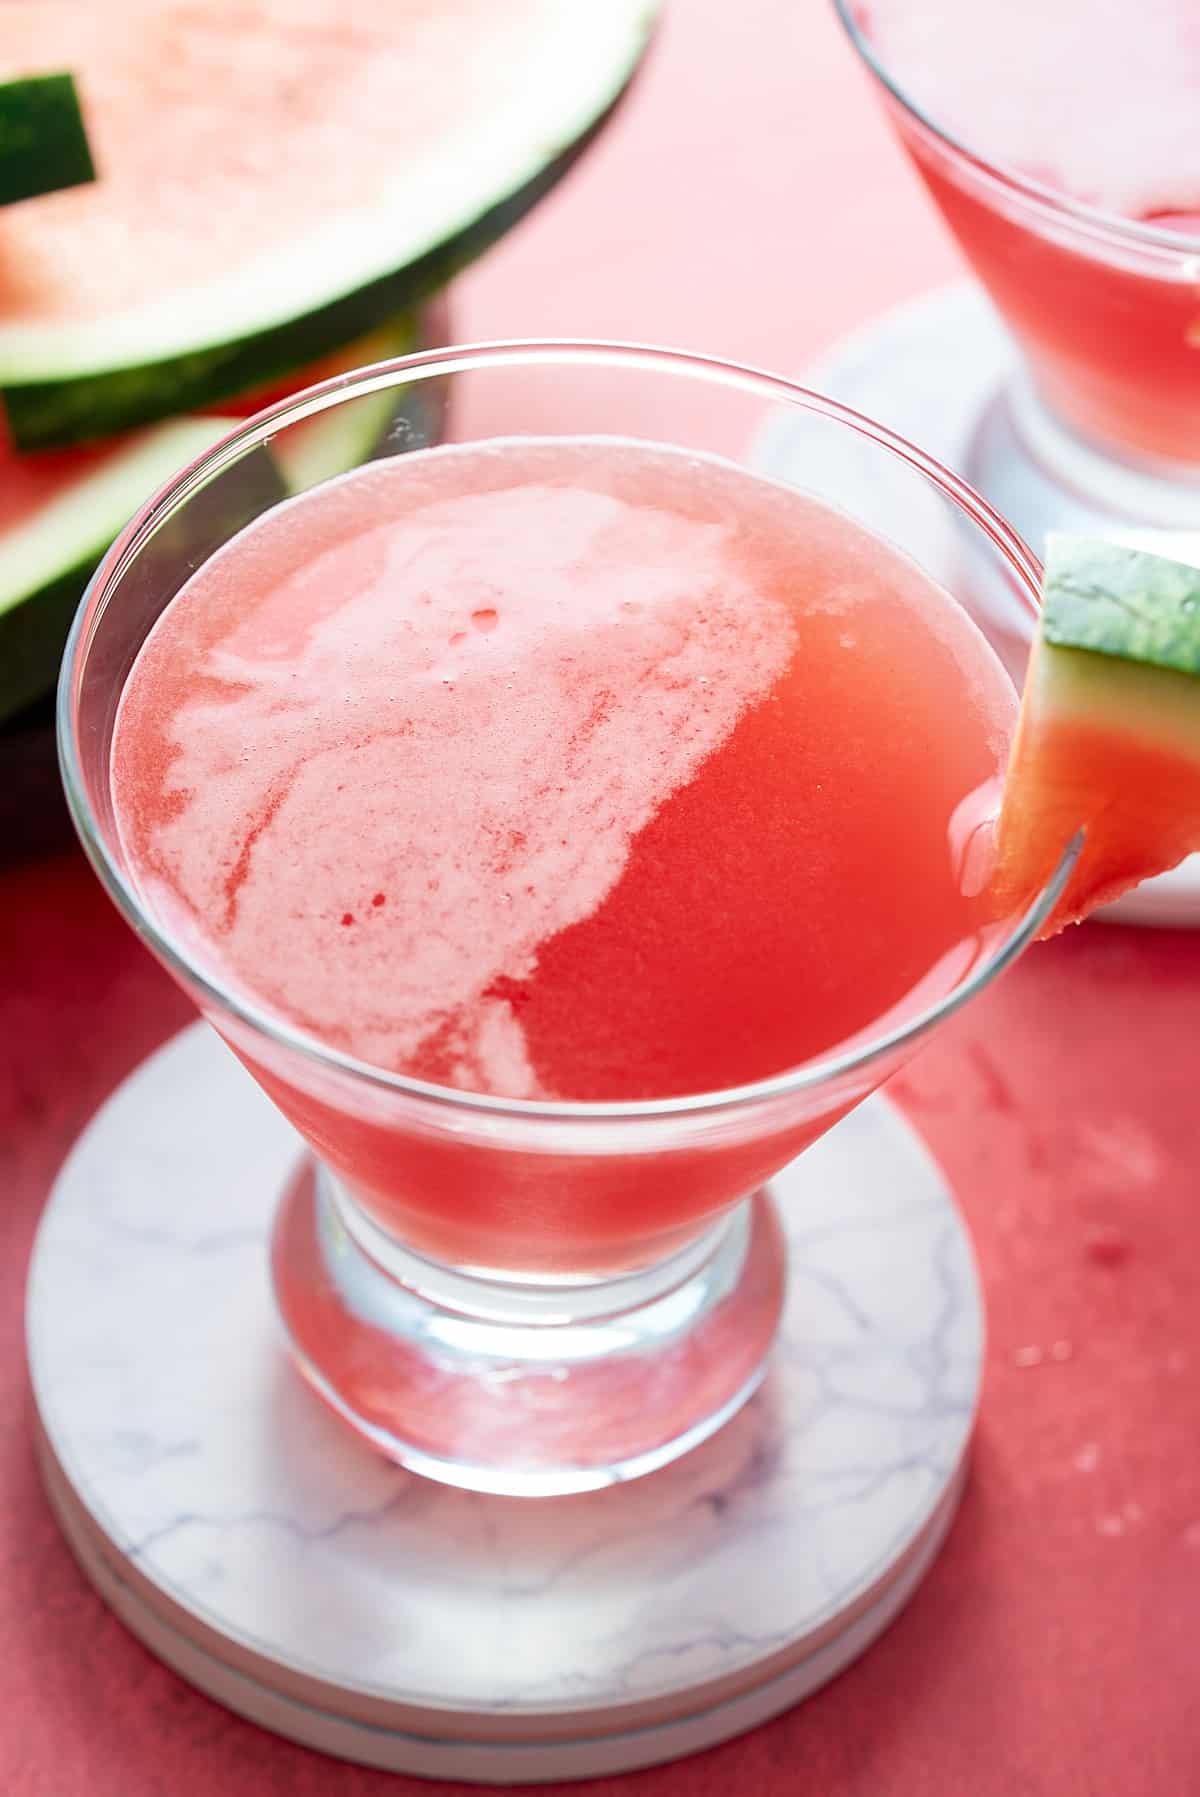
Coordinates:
748 202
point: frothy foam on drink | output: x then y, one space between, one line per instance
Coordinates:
1097 98
376 782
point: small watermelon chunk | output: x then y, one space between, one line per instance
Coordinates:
1109 734
43 145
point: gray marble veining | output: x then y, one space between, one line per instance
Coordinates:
167 1399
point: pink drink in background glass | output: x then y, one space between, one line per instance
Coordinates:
1064 152
567 769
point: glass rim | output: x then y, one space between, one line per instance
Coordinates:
432 364
1094 220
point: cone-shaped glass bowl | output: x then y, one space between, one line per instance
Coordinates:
1100 425
516 1295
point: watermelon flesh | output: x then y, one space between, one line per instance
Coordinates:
29 482
1109 734
278 177
279 120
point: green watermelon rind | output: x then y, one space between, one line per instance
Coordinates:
1108 742
46 562
1139 701
349 434
39 595
61 388
43 143
1121 603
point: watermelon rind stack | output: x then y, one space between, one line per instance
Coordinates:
47 558
116 392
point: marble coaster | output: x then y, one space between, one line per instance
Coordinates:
278 1564
927 370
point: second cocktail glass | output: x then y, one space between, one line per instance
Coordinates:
1099 429
526 1295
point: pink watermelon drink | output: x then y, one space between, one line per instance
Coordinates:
561 770
1064 152
505 805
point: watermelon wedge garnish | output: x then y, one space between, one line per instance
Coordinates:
277 177
43 144
1109 735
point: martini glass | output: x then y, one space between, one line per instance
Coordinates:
1093 425
1098 426
513 1295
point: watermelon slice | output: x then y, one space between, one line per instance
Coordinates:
278 176
60 509
1109 734
43 145
58 514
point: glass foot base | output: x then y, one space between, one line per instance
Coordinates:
1042 479
281 1566
529 1391
940 371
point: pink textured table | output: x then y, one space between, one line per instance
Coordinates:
748 201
